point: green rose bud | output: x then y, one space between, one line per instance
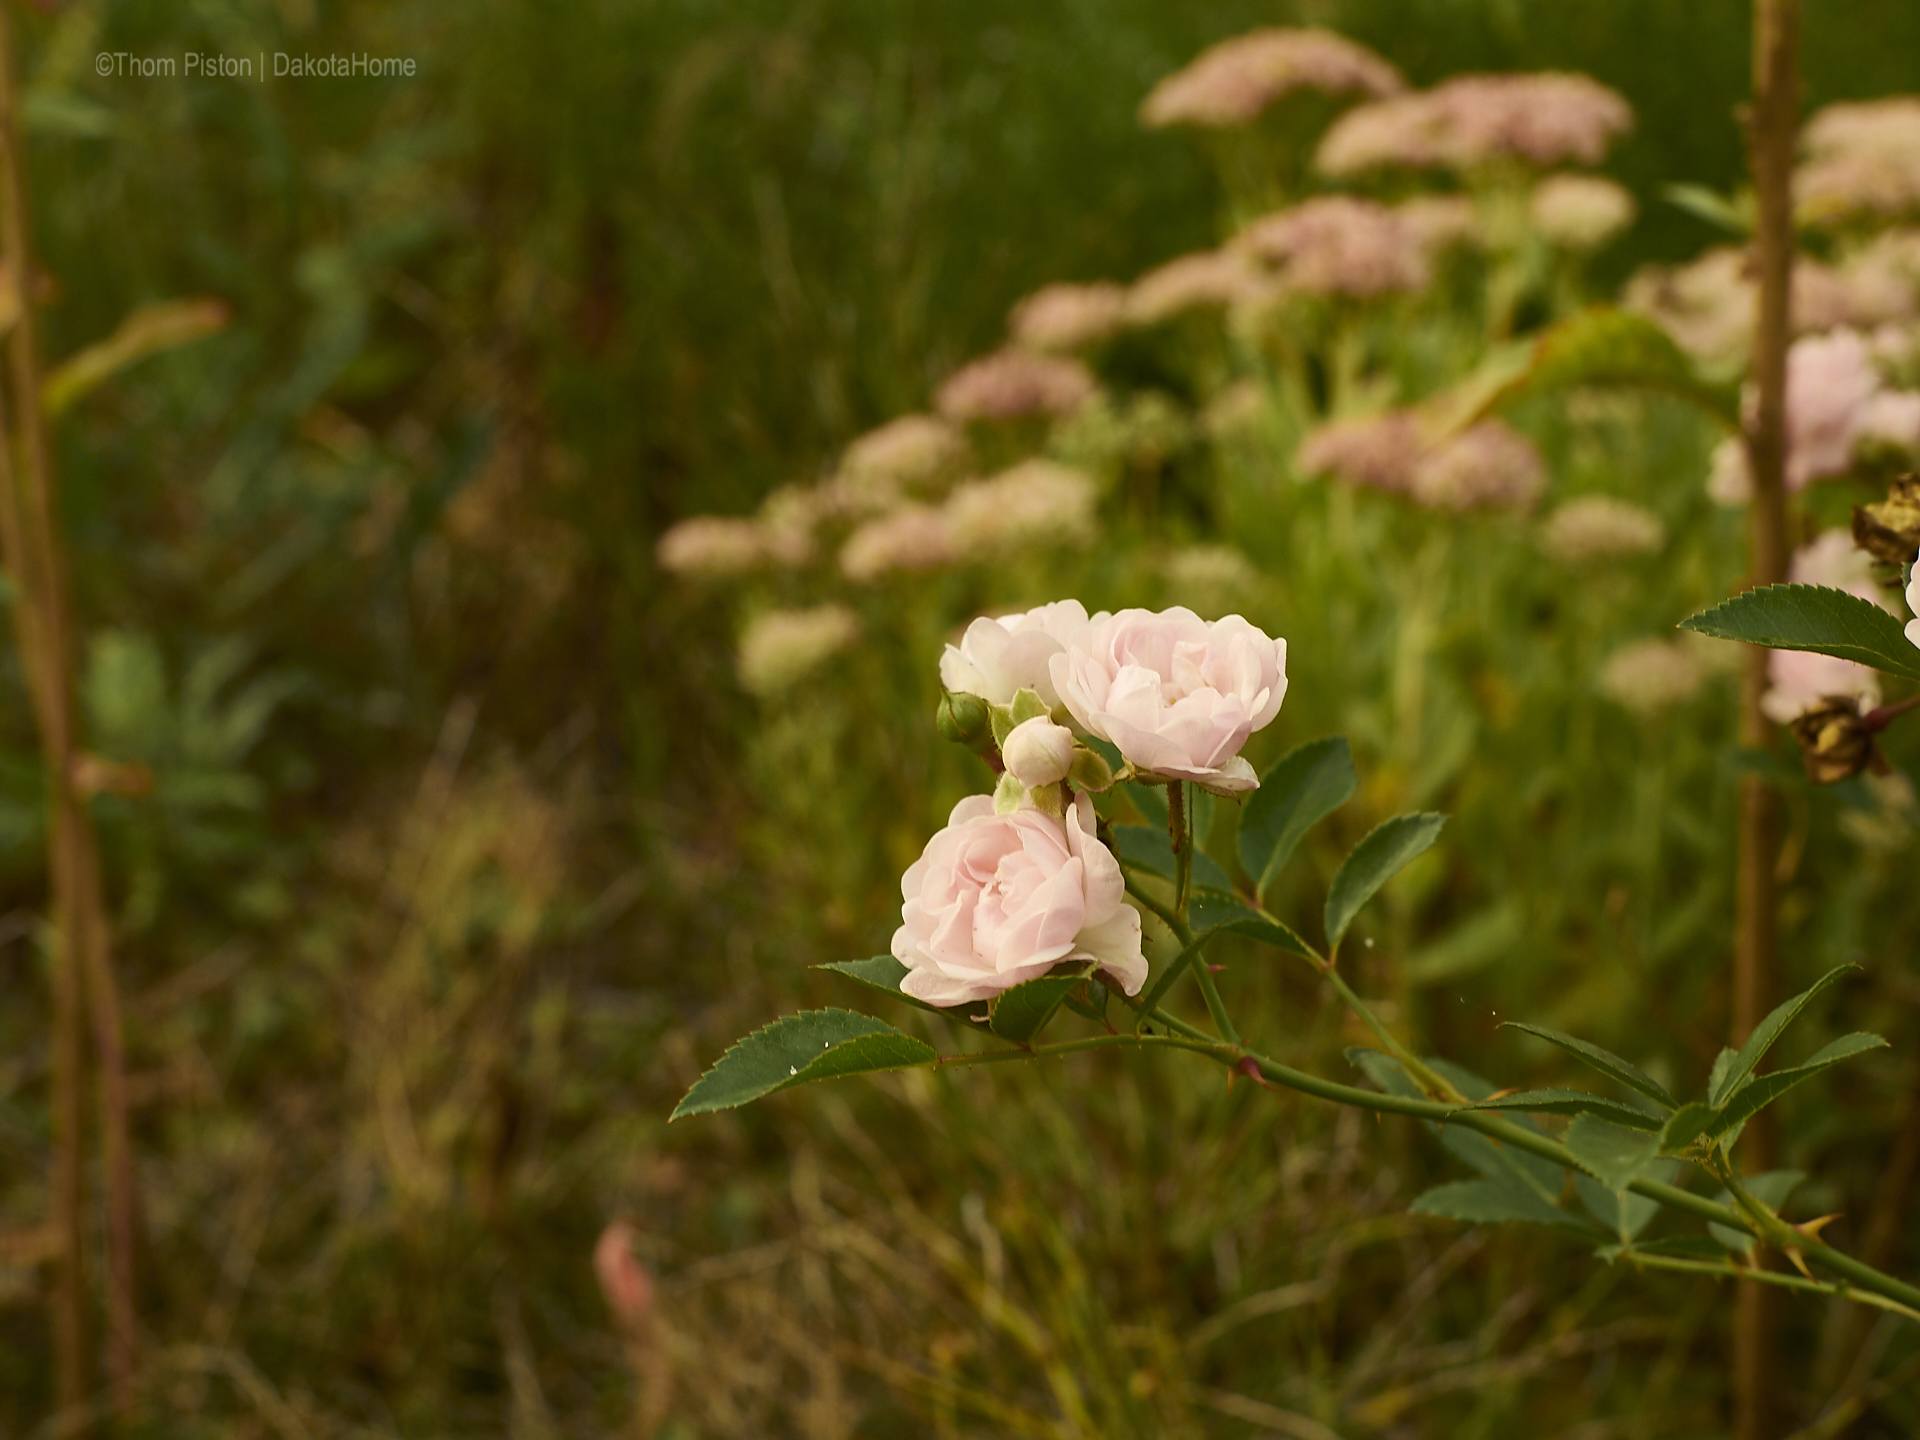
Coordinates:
964 719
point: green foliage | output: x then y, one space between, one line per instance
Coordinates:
1813 617
1572 1102
1022 1012
1771 1188
1388 848
1614 1155
1145 847
798 1049
1605 1061
1729 1078
884 973
1300 790
1602 346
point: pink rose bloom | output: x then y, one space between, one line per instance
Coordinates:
1913 603
998 899
997 658
1177 694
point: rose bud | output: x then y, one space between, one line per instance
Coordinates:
1889 529
1836 742
965 720
1038 752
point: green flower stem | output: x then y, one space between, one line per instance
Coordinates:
1723 1270
1172 973
1865 1279
1218 1010
1180 833
1167 917
1429 1079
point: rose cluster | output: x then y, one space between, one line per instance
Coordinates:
1018 882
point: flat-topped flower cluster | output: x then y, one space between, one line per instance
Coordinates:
1018 882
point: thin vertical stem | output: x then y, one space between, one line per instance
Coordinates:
1772 130
84 970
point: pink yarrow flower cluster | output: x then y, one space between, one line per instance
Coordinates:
1012 384
1339 245
1540 119
1234 81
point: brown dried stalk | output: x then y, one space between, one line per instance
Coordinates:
1772 129
31 544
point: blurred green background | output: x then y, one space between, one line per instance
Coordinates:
467 851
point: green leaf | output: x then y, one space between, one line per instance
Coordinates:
147 331
1685 1125
1726 1081
1572 1102
1141 847
1730 213
884 973
1756 1095
1388 847
796 1049
1623 1212
1149 800
1612 1154
1209 911
1605 1061
1605 346
1771 1189
1490 1202
1021 1013
1306 785
1383 1070
1812 617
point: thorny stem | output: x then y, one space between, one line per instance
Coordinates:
1180 833
1724 1270
1865 1280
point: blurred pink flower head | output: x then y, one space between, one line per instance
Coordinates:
1490 466
998 899
916 537
1013 384
906 451
1207 279
1231 83
717 546
1540 119
779 647
623 1279
1439 222
1862 160
1600 527
1649 676
1339 245
1068 317
1177 694
1580 212
1378 451
1036 501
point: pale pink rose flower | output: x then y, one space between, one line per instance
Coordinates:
1580 212
1038 752
623 1279
1488 466
999 899
1913 603
1208 279
1379 451
1067 317
1831 384
999 657
1178 695
917 537
1012 384
1231 83
1339 245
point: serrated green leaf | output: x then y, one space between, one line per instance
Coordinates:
1753 1097
1300 790
1022 1012
1149 800
797 1049
1388 847
1141 847
1605 1061
1490 1202
1622 1212
1771 1189
1813 617
1504 1162
1612 1154
1210 911
1383 1070
1727 1081
884 973
1685 1125
1573 1102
